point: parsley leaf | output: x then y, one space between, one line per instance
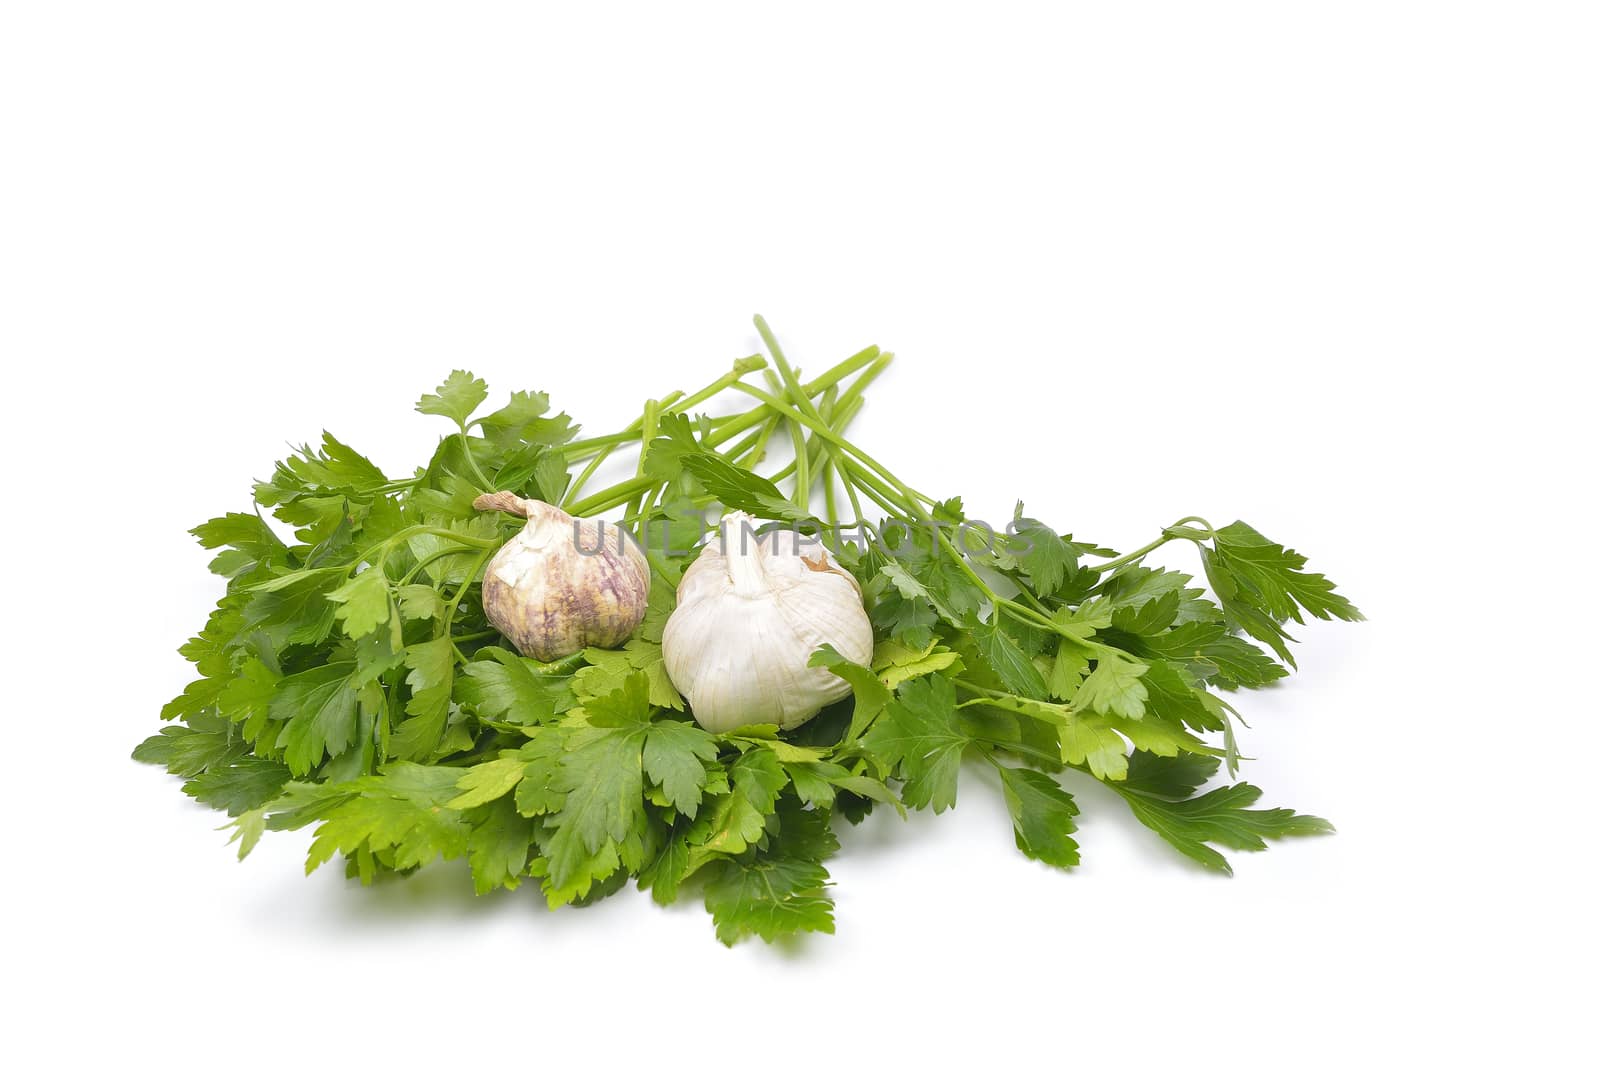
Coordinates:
457 397
922 736
870 693
780 891
247 783
735 820
397 816
1114 688
1088 739
488 781
320 706
512 688
363 603
1043 555
1041 814
1014 669
498 846
675 758
1161 793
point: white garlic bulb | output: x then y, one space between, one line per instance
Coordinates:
750 613
562 584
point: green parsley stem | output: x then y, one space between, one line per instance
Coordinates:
576 450
836 374
650 423
855 501
557 666
1041 622
409 532
854 390
750 449
484 484
431 558
1131 557
753 449
487 543
675 403
873 495
791 381
849 403
739 424
449 617
608 499
672 403
865 479
817 452
700 397
588 472
1044 710
1169 534
830 504
645 508
1033 601
797 437
1185 521
724 432
821 429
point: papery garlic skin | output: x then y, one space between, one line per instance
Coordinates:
562 583
751 611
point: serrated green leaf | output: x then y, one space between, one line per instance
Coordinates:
871 695
238 787
675 758
1114 688
921 734
1274 577
363 602
1041 816
431 663
1041 553
1015 670
426 715
513 689
733 486
1088 739
1067 669
488 781
498 847
780 891
1159 794
189 749
895 662
737 819
420 602
457 397
320 707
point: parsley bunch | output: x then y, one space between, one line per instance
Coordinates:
348 680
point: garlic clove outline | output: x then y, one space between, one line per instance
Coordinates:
563 583
750 613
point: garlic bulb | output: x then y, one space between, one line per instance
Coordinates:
561 583
750 613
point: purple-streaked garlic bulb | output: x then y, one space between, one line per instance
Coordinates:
563 583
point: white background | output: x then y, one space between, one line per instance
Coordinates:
1328 268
